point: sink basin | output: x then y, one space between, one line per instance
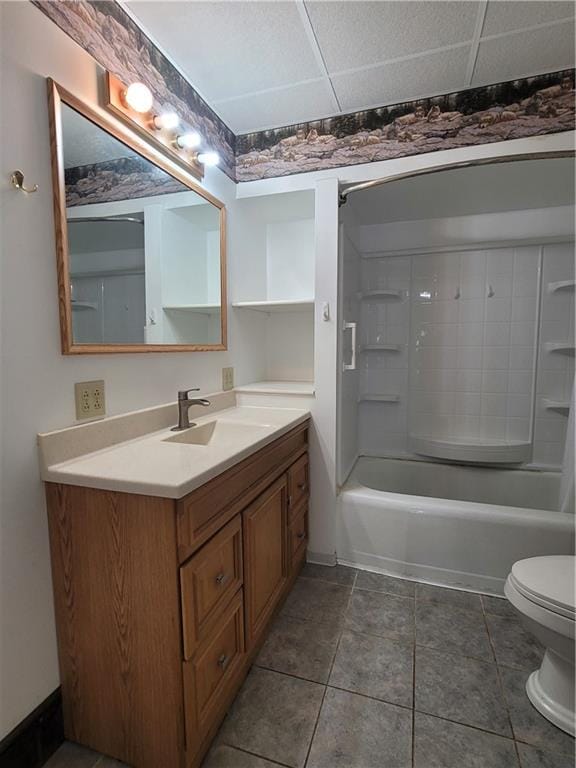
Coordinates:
218 432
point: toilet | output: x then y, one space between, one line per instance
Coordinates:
542 590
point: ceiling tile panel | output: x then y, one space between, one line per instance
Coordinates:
303 102
403 80
508 15
525 53
357 34
229 48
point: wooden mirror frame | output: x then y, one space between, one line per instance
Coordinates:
56 97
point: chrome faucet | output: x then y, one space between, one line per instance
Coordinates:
184 403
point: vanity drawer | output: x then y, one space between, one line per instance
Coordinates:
298 534
205 510
211 677
208 581
298 484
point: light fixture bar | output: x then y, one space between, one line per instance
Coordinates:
144 123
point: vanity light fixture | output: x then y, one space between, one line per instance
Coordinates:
166 121
134 105
189 140
138 97
209 158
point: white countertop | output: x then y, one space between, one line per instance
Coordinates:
149 465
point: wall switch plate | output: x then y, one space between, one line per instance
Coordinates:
227 378
90 400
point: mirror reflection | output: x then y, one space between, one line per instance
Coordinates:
144 250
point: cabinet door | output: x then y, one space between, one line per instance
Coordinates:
265 556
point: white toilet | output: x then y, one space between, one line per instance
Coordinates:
542 590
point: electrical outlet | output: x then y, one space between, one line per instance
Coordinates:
90 399
227 378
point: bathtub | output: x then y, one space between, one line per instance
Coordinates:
457 526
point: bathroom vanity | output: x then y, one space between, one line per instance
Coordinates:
163 598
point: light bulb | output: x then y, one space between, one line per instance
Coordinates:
139 97
167 121
189 140
209 158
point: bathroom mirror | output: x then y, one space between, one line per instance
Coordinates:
140 246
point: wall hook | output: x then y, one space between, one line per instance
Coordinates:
490 291
17 181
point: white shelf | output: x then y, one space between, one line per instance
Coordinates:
561 285
470 450
82 306
380 293
204 309
560 406
562 347
368 398
283 305
304 388
381 347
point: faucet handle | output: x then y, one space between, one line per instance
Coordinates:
183 393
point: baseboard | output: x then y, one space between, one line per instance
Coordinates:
469 582
36 738
321 558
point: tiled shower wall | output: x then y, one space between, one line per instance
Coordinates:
468 325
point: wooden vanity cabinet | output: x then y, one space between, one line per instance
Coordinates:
162 605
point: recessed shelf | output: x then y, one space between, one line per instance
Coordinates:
468 449
82 306
374 398
562 347
561 285
304 388
204 309
381 347
283 305
561 406
380 293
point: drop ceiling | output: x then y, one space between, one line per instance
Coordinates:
262 65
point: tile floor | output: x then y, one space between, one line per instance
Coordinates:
362 670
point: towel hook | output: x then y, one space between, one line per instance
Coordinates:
17 181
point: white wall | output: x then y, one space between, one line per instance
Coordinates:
36 387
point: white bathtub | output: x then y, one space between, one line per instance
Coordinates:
447 524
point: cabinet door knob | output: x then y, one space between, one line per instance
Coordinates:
223 661
301 535
302 486
221 578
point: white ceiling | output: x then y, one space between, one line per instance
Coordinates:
264 64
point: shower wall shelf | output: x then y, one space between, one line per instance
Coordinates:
282 305
381 347
368 398
82 306
470 450
562 347
561 285
380 293
560 406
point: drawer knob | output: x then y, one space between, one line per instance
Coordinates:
221 579
223 661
